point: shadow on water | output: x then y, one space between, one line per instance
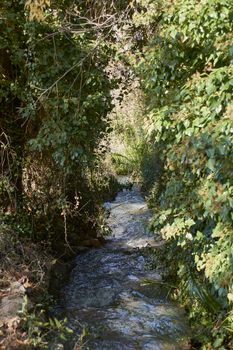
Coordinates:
107 294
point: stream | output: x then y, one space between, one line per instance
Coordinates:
108 292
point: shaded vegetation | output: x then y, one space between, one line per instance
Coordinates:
56 96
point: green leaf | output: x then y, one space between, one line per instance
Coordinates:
211 164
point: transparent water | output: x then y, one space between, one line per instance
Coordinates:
107 294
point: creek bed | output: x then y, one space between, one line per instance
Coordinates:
107 293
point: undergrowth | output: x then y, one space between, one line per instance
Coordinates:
24 280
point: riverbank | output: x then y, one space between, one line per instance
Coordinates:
24 282
32 274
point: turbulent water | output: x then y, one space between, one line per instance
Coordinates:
107 293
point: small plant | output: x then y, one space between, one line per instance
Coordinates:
39 330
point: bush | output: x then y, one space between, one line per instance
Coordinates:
187 75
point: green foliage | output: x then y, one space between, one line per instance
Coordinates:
40 330
187 75
136 150
55 97
133 154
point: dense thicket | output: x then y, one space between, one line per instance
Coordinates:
55 96
187 76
